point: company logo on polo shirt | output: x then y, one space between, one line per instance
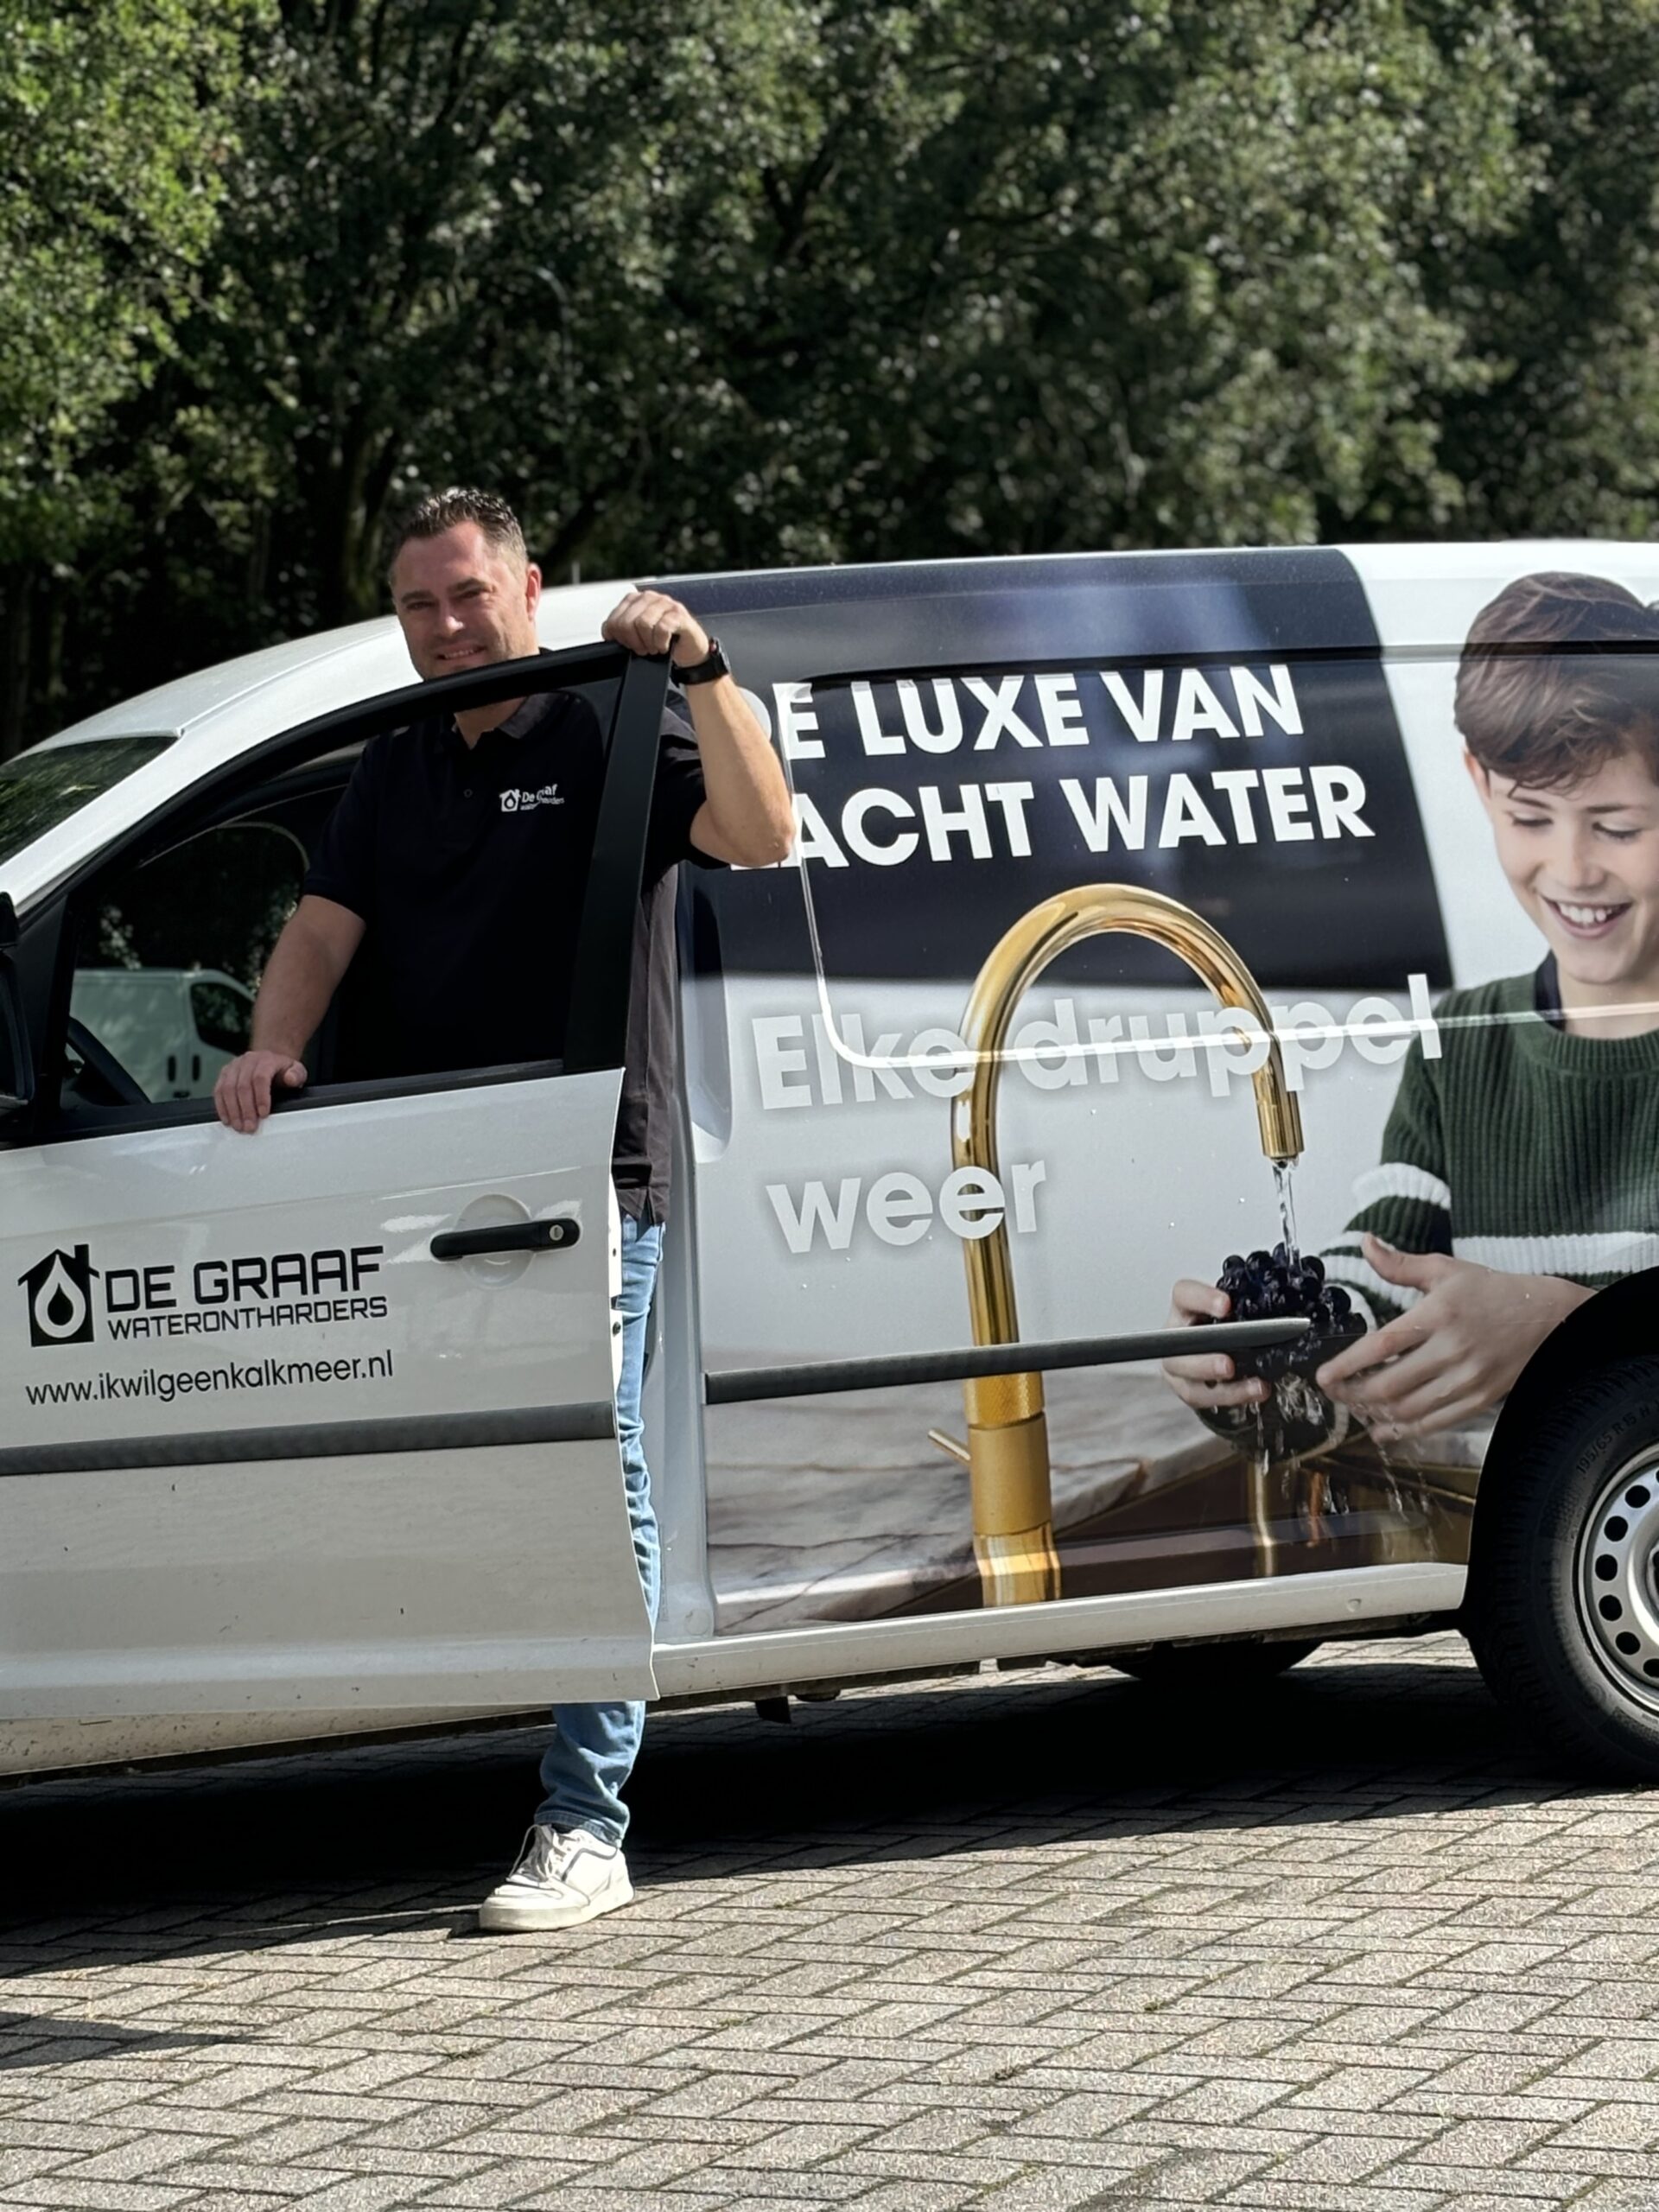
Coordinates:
59 1289
520 802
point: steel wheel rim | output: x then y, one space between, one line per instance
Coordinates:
1614 1581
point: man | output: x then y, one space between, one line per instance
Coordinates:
442 885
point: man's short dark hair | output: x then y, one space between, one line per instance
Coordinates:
1539 698
442 510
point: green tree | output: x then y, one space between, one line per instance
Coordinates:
827 279
112 145
1565 437
1060 273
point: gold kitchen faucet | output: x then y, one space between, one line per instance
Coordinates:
1007 1429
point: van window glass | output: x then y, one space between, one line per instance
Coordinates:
224 1015
43 787
171 947
170 956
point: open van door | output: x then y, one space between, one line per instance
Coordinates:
322 1418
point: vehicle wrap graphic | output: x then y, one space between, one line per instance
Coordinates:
1010 764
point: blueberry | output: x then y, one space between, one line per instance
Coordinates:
1259 1262
1232 1265
1340 1304
1314 1269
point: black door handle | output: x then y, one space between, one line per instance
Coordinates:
511 1237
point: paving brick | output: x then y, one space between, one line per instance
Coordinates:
1335 2158
286 2181
507 2181
140 2156
1272 2193
1049 2191
101 2196
919 2197
18 2166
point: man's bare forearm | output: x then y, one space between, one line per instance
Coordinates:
301 977
749 798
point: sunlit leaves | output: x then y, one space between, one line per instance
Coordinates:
114 146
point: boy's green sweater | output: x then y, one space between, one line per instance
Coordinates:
1521 1148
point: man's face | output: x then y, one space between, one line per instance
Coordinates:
1585 864
463 603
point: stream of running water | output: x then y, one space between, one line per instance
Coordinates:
1283 1182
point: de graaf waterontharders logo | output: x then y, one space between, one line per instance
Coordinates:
59 1289
246 1293
523 802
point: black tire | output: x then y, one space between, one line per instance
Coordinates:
1210 1669
1563 1609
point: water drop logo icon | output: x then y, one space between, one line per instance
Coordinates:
59 1289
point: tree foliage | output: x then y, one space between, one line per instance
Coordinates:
838 279
113 141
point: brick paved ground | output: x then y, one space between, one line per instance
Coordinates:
1027 1943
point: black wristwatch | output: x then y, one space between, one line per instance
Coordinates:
714 663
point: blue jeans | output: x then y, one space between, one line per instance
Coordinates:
586 1765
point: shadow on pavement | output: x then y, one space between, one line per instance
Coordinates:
345 1843
29 2039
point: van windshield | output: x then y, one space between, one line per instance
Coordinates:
41 788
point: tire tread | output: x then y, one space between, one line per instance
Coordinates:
1509 1628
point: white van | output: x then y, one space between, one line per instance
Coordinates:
1125 887
172 1029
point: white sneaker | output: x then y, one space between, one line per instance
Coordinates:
560 1881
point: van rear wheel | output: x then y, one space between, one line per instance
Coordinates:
1210 1669
1563 1609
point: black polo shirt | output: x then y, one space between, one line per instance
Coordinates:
468 865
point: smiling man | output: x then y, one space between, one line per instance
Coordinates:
1518 1169
449 883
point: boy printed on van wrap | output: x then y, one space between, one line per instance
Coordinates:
1520 1169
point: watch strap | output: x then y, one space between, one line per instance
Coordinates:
714 663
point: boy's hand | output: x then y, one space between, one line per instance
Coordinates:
1205 1380
1456 1351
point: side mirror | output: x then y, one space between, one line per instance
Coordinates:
16 1062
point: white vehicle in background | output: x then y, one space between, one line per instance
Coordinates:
171 1029
312 1432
